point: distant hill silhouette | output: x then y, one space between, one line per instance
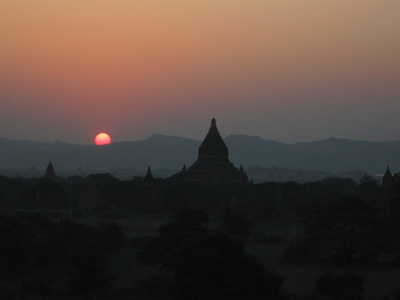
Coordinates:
169 152
158 151
329 155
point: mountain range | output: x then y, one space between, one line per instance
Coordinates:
169 152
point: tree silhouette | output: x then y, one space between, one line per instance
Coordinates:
344 226
89 274
348 286
236 224
208 265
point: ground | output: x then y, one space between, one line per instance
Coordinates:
298 279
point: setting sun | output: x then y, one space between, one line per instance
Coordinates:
102 139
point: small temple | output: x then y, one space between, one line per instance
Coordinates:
387 179
149 176
213 162
50 173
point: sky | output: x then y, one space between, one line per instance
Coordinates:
285 70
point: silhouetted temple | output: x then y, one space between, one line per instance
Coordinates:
50 173
387 179
149 177
184 168
213 162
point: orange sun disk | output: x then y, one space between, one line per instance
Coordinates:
102 139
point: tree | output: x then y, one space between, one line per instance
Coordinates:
193 218
344 226
348 286
369 185
89 274
208 265
236 224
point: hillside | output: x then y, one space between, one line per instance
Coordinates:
169 152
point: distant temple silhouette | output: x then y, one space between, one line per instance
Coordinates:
387 179
50 173
213 162
149 176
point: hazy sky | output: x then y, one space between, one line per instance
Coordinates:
287 70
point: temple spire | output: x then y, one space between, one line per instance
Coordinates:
387 178
50 173
149 177
213 122
213 144
213 162
242 174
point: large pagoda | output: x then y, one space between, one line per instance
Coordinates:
213 162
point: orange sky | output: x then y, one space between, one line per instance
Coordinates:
286 70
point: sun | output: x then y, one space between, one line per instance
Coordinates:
102 139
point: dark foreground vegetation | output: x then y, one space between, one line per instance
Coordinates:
97 237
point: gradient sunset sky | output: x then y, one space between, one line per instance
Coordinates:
286 70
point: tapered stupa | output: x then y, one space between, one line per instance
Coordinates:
213 162
50 173
149 177
387 179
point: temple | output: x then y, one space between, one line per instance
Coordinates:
149 176
387 179
213 162
50 173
